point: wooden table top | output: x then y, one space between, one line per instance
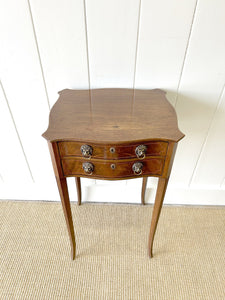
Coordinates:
112 116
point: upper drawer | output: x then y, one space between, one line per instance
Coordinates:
112 151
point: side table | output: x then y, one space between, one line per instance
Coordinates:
112 134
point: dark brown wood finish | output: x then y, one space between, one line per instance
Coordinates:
112 123
160 193
64 195
161 189
143 190
112 116
113 151
110 169
78 185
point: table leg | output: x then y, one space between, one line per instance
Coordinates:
78 185
144 184
161 189
64 195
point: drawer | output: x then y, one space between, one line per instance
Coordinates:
111 169
112 151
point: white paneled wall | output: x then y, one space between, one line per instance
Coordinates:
163 39
178 46
60 33
112 36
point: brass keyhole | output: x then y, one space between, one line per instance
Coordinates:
112 150
113 166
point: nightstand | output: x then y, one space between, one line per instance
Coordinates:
112 134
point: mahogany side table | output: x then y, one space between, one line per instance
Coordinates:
112 134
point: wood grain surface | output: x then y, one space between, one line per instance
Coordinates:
103 170
112 116
112 151
112 134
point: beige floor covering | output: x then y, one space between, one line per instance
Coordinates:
112 262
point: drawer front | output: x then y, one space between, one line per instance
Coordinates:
112 151
112 169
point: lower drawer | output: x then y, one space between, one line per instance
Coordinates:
111 169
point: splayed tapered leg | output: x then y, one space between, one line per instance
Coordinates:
144 184
161 189
64 195
78 185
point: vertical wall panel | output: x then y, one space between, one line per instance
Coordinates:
211 166
164 32
23 84
60 31
43 50
13 166
201 85
223 185
112 35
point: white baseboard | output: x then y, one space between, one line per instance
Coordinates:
125 194
115 191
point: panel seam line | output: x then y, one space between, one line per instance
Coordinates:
223 182
185 53
88 58
137 44
17 132
87 48
39 54
1 178
207 135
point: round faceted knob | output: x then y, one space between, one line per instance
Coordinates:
86 151
141 151
88 168
137 168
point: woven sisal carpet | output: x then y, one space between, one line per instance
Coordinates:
112 262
